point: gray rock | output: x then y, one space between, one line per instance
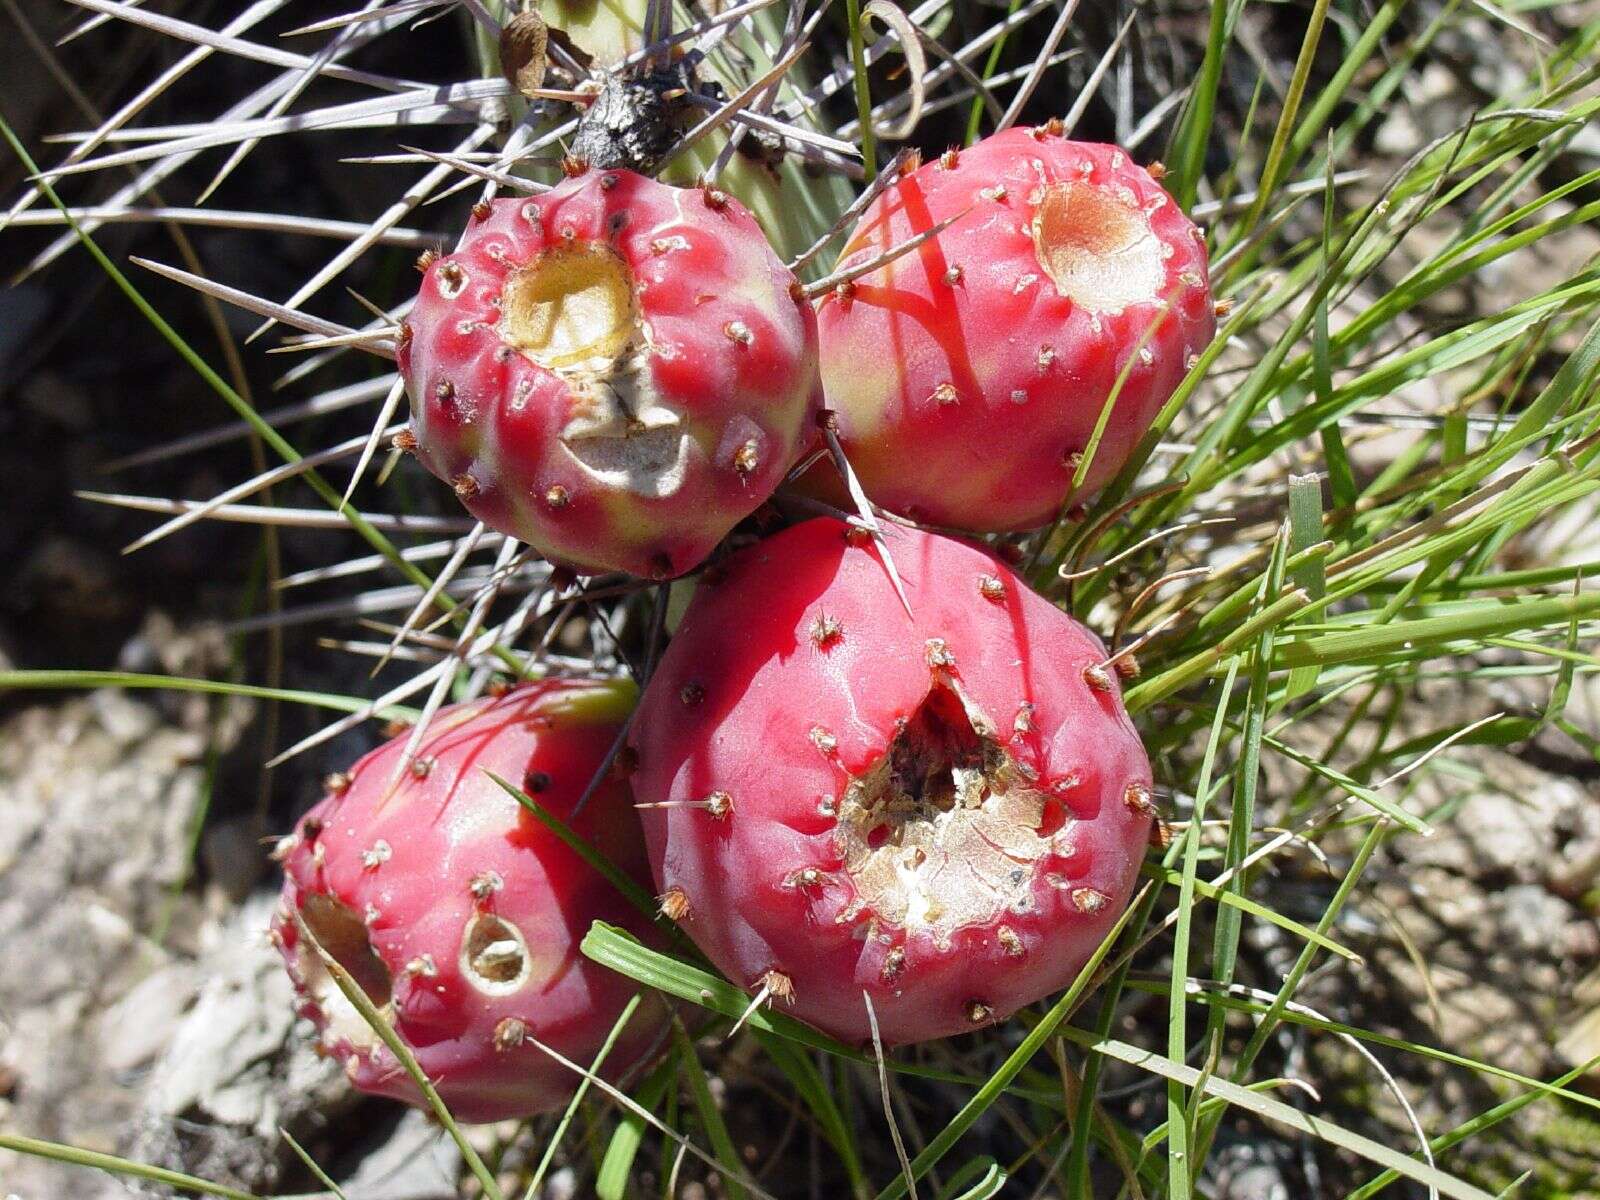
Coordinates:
417 1162
96 798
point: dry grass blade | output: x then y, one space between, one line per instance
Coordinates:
1086 94
1031 82
412 196
263 222
888 1105
464 644
266 479
186 31
385 415
336 400
308 76
440 581
671 1134
736 105
289 518
394 8
910 38
850 274
890 174
257 304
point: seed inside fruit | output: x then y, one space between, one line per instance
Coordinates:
1099 251
494 956
943 831
339 930
571 307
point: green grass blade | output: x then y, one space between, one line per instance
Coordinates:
113 1165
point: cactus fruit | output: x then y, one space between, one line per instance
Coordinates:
460 914
946 811
613 371
968 374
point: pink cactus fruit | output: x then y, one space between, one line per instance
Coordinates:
614 371
944 812
968 374
460 914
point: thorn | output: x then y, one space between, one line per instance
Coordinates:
1157 170
422 965
823 740
738 331
992 588
953 276
1127 666
1010 942
426 259
1222 307
555 496
421 768
482 211
405 441
937 653
979 1013
337 783
944 394
950 158
466 487
572 167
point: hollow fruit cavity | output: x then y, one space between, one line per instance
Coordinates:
494 956
340 932
572 307
1099 252
943 831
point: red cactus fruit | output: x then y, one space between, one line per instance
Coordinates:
969 373
944 811
613 371
460 914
